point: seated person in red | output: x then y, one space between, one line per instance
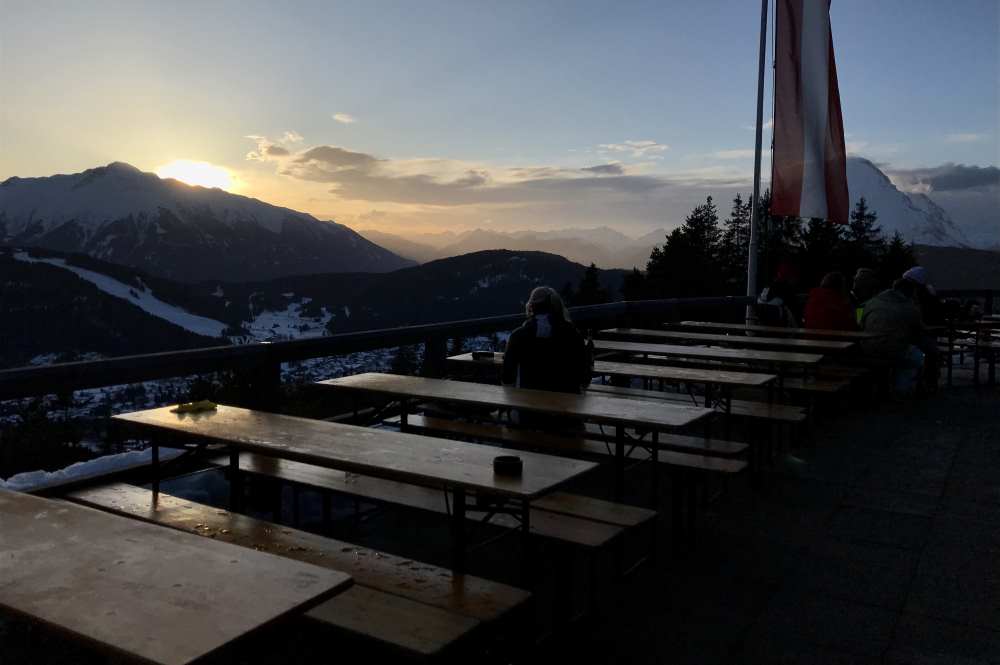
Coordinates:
828 307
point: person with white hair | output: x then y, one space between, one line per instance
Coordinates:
547 352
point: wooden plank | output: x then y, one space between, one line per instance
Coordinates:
597 408
380 453
394 620
711 353
467 595
559 443
620 514
636 370
745 408
154 594
738 340
574 531
813 333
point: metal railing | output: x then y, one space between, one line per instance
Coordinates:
262 361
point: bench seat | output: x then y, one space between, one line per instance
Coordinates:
565 528
786 413
431 606
564 445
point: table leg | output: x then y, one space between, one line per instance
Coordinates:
458 530
404 413
235 486
619 462
528 563
156 471
655 458
708 395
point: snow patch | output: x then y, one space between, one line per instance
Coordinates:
143 299
33 480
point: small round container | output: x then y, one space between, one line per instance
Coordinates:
507 465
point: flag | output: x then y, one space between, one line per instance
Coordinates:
809 169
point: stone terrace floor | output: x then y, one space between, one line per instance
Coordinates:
879 545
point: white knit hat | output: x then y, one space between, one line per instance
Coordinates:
916 274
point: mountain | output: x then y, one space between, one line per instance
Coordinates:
603 246
165 227
66 306
915 216
960 267
51 309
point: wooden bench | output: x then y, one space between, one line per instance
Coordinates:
584 447
783 413
410 605
564 528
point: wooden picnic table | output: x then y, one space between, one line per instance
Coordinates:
738 341
774 359
616 411
452 466
713 379
776 331
150 593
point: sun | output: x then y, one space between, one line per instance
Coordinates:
197 173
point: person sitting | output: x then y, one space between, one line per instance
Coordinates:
547 353
777 304
863 287
894 314
827 307
932 313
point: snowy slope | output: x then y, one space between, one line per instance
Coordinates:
914 216
142 298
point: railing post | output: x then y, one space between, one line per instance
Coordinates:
435 357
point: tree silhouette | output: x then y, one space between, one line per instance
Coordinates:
590 291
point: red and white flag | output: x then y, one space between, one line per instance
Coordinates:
809 170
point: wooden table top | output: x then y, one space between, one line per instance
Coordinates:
741 341
409 458
667 373
815 333
710 352
155 594
595 408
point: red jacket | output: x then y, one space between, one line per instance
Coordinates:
828 309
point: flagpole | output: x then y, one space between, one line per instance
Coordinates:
754 202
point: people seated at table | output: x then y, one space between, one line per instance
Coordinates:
547 353
828 307
863 287
932 313
895 314
778 304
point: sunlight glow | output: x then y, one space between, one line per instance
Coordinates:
197 173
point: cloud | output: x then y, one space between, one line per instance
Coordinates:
965 137
644 148
291 136
946 178
606 169
267 149
345 118
358 176
769 124
738 153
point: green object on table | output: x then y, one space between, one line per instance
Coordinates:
195 407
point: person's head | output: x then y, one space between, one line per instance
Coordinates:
833 280
905 286
917 275
546 300
865 283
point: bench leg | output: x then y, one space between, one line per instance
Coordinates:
235 486
458 530
527 547
619 462
156 472
654 500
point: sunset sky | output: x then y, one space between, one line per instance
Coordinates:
448 115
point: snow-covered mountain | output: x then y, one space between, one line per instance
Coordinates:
915 216
120 214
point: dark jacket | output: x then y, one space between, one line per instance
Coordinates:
557 359
828 309
895 314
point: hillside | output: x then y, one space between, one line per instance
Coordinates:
167 228
960 268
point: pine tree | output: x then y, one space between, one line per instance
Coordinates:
633 285
821 250
897 259
734 245
863 240
590 291
688 263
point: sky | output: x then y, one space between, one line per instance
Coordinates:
429 116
